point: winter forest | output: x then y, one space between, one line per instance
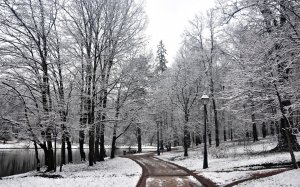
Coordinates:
86 101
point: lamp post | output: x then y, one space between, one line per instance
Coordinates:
205 100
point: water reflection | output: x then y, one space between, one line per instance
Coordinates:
16 161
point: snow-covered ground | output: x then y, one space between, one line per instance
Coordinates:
28 144
232 162
14 145
118 172
288 178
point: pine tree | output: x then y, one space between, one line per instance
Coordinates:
161 57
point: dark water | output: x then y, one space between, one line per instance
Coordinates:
16 161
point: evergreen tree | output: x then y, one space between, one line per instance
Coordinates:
161 57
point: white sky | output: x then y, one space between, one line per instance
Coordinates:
168 19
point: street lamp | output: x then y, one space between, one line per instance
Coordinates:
205 100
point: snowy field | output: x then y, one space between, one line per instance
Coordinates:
118 172
236 161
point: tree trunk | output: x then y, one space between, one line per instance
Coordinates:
102 148
264 130
113 145
81 144
44 147
225 137
161 136
254 129
286 140
209 138
102 126
157 137
49 152
69 148
38 163
283 140
272 128
97 141
216 121
139 140
91 146
185 135
63 150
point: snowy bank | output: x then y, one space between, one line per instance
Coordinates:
228 163
288 178
118 172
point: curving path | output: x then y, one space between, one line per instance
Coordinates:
160 173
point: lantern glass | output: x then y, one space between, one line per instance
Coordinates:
204 99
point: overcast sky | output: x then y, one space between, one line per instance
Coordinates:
169 18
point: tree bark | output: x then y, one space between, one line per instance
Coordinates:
63 150
81 144
185 134
49 153
113 145
216 120
254 129
97 141
139 139
114 139
69 148
225 135
264 130
38 163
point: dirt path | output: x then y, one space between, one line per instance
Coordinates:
160 173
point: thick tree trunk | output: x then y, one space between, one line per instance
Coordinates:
44 147
283 140
113 145
225 135
186 134
157 137
97 143
69 148
114 139
216 121
38 163
102 148
91 146
209 138
91 131
272 128
81 144
254 129
97 140
161 137
264 130
139 140
50 154
102 127
286 141
63 150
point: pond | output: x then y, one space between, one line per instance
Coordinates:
16 161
